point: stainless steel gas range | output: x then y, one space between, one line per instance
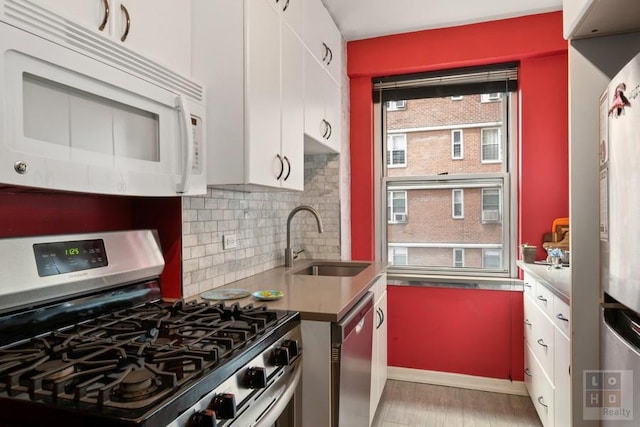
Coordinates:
85 339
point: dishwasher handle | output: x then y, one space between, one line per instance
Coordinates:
353 321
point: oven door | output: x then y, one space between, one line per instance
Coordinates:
279 406
71 122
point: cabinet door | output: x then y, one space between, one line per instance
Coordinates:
292 13
321 35
262 87
158 29
562 381
89 13
292 92
314 96
379 355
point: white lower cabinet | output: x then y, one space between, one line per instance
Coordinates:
547 372
379 350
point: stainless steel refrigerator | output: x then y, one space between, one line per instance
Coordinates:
613 395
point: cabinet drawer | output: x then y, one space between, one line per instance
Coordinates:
529 285
561 315
544 299
541 339
529 313
540 388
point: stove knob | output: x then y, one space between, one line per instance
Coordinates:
206 418
256 378
224 406
293 347
281 356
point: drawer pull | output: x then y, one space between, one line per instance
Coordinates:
561 317
527 285
527 373
541 401
543 299
526 322
541 342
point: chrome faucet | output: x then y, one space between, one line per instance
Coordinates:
289 254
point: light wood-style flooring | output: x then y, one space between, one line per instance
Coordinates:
425 405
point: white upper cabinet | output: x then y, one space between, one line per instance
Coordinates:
322 37
157 29
255 84
590 18
322 103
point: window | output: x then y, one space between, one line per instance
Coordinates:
398 255
456 144
491 146
458 257
491 259
490 97
397 207
396 105
397 150
459 182
457 204
490 205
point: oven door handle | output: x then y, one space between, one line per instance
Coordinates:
269 418
187 147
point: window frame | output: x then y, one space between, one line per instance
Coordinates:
455 258
453 203
509 177
460 142
399 105
391 219
392 254
390 152
482 145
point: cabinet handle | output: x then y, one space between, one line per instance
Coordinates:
541 342
543 299
288 171
105 18
382 314
128 18
541 401
527 285
330 130
527 373
281 167
526 322
286 5
379 318
326 51
561 317
330 56
326 128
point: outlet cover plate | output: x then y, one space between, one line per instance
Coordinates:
229 241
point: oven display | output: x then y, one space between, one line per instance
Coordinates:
66 257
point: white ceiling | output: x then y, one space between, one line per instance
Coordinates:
360 19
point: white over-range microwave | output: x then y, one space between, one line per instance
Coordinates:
80 112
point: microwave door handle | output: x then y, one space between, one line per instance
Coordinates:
185 115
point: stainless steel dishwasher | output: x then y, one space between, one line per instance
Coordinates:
351 366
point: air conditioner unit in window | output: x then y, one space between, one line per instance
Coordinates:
399 217
490 216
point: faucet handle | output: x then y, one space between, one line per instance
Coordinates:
296 254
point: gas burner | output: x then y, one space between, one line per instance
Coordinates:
55 369
136 385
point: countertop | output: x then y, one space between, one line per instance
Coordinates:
558 280
323 298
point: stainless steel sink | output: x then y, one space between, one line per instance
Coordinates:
331 268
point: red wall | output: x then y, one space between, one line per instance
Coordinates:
28 212
543 189
473 332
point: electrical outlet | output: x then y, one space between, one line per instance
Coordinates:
229 241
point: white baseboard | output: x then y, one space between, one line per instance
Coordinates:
457 380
